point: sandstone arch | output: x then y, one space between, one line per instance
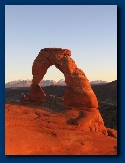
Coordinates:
78 94
79 98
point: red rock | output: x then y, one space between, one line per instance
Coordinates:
112 132
36 93
79 93
33 130
88 120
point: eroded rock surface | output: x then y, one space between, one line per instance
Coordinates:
88 121
78 94
34 130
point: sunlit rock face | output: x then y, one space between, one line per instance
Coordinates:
78 94
79 98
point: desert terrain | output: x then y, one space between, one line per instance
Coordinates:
34 129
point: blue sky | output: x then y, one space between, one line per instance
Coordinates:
90 32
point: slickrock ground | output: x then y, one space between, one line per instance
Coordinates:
37 130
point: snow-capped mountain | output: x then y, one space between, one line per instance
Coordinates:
61 82
98 82
18 83
27 83
44 83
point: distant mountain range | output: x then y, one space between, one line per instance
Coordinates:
44 83
27 83
98 82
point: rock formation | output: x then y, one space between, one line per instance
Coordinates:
78 90
78 94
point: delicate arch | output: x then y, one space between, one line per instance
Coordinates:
78 94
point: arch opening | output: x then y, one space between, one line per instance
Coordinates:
53 74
